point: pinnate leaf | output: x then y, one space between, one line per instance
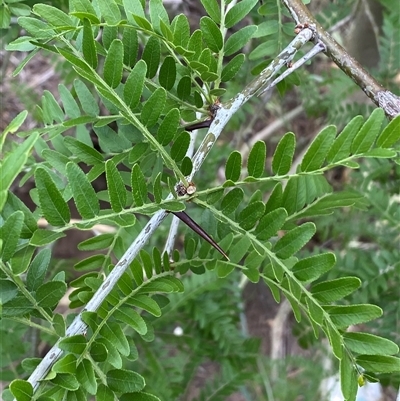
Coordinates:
167 74
88 44
333 290
49 294
211 34
168 127
232 68
86 377
134 84
116 187
84 195
368 132
139 188
22 390
238 12
153 108
283 156
369 344
113 63
53 15
256 160
74 344
270 224
132 318
318 150
151 55
390 135
309 269
238 39
348 378
233 166
232 200
347 315
37 269
213 9
180 146
124 381
10 233
379 363
294 240
110 11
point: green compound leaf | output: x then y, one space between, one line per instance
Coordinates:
368 132
53 15
232 68
369 344
131 45
311 268
124 381
110 11
146 303
151 56
10 233
22 390
233 166
116 187
12 165
139 187
211 34
153 108
231 201
132 318
239 39
84 195
167 74
294 240
66 381
51 109
342 144
213 9
133 87
83 152
379 363
238 12
250 214
347 315
333 290
256 160
67 364
158 15
270 224
89 45
74 344
348 377
181 30
390 135
114 63
283 156
49 294
318 150
69 103
53 205
37 269
86 377
44 237
168 127
86 99
180 146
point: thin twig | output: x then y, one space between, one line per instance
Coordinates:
385 99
